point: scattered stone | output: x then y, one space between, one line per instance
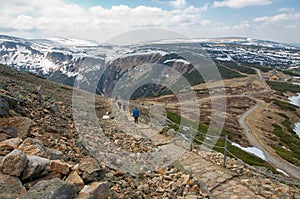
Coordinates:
75 179
15 127
91 170
95 190
32 147
36 166
14 163
161 171
9 145
59 166
53 154
51 189
10 187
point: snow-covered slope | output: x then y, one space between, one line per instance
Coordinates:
61 59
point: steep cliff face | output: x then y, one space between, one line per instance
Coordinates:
120 66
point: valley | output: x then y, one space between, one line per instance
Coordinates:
251 128
234 87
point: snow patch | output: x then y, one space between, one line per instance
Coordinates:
253 150
72 42
295 100
177 60
284 173
297 129
47 66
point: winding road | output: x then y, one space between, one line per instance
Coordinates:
290 169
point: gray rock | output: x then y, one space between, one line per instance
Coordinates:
91 170
15 127
51 189
10 187
75 179
36 166
53 154
7 146
32 147
14 163
95 190
4 107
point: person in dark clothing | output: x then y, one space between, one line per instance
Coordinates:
136 115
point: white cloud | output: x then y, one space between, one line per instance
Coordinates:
57 18
241 26
286 9
277 18
178 3
241 3
205 22
42 19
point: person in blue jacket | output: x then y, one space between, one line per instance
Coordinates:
136 115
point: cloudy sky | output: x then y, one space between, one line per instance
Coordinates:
277 20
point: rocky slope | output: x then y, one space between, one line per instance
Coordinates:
43 156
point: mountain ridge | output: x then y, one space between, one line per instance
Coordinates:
64 59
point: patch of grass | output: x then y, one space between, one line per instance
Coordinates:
292 143
243 155
291 73
287 124
283 115
227 73
284 87
256 65
235 66
194 77
286 154
246 157
285 105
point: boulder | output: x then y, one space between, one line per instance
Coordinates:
10 187
51 189
32 147
75 179
14 163
53 154
59 166
15 127
95 190
9 145
91 170
4 107
36 166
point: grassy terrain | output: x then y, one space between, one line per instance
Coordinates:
291 149
291 73
203 128
262 68
235 66
227 73
284 87
284 105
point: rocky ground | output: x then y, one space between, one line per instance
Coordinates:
42 155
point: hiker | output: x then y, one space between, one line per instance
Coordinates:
136 115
